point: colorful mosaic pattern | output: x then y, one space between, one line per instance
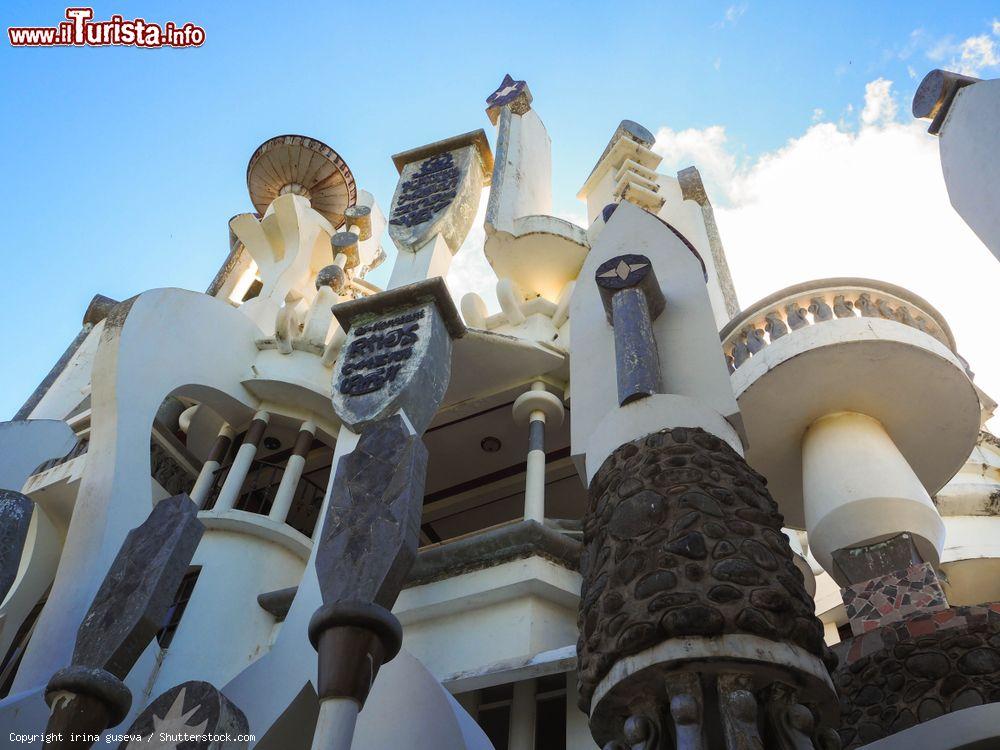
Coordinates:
893 597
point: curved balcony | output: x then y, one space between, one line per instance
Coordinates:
851 376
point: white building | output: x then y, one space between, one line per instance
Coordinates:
847 394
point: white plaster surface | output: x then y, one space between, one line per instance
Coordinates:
970 143
691 358
858 488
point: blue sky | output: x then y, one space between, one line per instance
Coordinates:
122 167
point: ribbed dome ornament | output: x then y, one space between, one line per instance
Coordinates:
303 166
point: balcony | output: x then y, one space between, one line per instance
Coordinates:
883 362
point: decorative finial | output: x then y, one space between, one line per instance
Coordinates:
513 93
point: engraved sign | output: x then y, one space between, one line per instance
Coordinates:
438 191
398 359
431 188
378 353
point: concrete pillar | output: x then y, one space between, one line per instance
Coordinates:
534 409
858 488
206 477
241 464
522 716
293 472
335 724
433 258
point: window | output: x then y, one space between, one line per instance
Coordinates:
550 712
494 714
177 607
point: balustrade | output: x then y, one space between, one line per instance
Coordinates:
816 302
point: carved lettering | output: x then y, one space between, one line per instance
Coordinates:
375 356
430 189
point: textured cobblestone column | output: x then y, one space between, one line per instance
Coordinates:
686 570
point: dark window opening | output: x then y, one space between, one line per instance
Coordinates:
493 715
177 607
254 290
550 712
845 632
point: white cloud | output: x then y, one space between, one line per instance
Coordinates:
817 114
732 15
974 56
717 63
705 148
880 107
866 201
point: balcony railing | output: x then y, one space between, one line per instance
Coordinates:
816 302
261 486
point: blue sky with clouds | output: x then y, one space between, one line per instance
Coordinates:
122 166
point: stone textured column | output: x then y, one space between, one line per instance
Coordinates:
241 464
535 408
522 716
293 472
206 477
683 545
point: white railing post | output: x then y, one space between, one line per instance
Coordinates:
241 464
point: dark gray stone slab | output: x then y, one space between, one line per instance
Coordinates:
632 301
372 525
191 708
397 356
15 516
132 602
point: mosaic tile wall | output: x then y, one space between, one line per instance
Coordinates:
893 597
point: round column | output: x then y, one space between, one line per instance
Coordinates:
203 484
534 409
241 464
293 472
858 489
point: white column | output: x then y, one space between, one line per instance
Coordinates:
293 472
335 724
206 476
858 489
433 258
522 716
535 408
534 476
578 735
241 464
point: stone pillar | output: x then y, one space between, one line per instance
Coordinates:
696 628
685 560
369 533
206 477
241 464
522 716
534 409
293 472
